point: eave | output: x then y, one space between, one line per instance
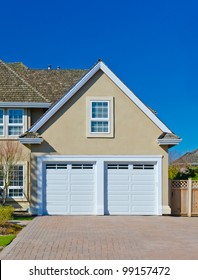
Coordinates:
168 142
29 141
25 105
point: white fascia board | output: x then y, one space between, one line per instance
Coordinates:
100 66
24 105
168 141
30 140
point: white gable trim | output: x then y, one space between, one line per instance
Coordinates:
99 66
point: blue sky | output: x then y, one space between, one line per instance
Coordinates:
152 46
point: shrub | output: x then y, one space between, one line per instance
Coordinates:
6 213
173 171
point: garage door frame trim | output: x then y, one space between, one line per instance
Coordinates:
100 164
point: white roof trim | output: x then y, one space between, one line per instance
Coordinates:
24 105
99 66
30 140
168 141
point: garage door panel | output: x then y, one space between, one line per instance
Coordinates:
83 198
117 178
149 210
81 209
58 178
81 177
120 198
143 188
143 178
119 187
75 188
118 209
143 198
142 203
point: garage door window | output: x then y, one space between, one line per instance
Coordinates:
56 166
118 166
82 166
143 166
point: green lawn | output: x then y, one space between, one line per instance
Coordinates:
23 218
6 239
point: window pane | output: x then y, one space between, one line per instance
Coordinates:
1 116
99 126
1 177
17 176
1 130
100 109
15 130
15 116
15 192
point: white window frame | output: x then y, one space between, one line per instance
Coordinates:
6 123
99 119
17 187
3 124
90 119
15 124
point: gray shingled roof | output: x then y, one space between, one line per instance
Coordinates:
13 87
166 135
53 84
190 158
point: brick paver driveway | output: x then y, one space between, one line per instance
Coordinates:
106 237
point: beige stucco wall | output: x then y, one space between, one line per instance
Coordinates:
135 133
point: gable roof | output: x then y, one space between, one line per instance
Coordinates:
13 88
190 158
51 83
99 66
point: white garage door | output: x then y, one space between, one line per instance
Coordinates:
70 189
131 189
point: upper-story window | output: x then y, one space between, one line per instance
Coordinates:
1 122
99 117
15 122
12 122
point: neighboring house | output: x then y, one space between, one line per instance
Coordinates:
92 147
188 159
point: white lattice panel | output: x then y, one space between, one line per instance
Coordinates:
179 184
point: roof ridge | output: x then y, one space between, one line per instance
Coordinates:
24 81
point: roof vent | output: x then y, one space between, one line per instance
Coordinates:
49 67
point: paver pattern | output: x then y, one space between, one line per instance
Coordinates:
105 237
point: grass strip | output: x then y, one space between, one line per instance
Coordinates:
23 218
6 239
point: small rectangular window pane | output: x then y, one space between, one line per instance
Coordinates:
1 116
1 177
15 130
15 116
1 130
15 192
148 166
97 126
100 109
138 166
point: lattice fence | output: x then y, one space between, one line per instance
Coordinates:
184 197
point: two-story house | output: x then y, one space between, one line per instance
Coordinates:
91 146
